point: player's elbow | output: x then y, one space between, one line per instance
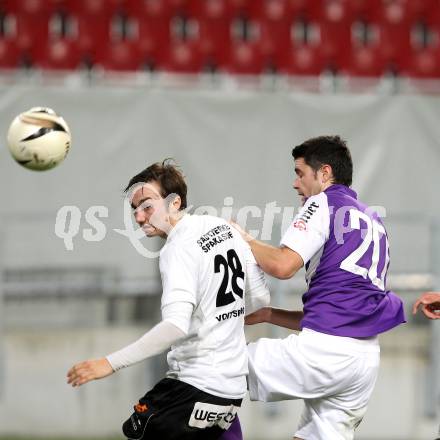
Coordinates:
284 273
287 265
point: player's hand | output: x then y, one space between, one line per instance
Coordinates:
430 302
259 316
89 370
246 236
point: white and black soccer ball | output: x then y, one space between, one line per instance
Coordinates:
39 139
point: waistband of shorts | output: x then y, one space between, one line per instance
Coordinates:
365 344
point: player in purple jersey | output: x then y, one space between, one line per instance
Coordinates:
333 363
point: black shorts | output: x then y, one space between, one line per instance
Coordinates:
175 410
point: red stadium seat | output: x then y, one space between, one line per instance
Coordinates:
424 63
93 23
394 32
422 9
148 8
213 18
240 7
365 61
153 18
302 7
61 54
30 6
32 25
275 25
335 20
183 57
91 8
32 34
301 60
93 35
211 9
367 10
179 6
122 56
245 58
9 53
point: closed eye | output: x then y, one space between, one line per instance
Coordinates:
143 205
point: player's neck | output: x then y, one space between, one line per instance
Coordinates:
176 219
326 185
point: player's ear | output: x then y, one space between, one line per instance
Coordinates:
176 203
173 202
327 173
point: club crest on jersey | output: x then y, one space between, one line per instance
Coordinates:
301 222
301 225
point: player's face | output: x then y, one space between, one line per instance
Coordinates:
308 182
150 210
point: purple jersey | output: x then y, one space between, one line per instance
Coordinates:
234 432
344 247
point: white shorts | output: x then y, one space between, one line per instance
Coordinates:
334 375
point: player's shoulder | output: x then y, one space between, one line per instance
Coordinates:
314 211
203 224
201 227
317 201
217 229
342 196
315 206
209 220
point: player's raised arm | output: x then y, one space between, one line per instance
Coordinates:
280 262
430 305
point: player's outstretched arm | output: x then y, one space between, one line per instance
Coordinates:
174 326
430 305
281 263
290 319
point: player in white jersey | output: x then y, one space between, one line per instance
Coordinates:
209 278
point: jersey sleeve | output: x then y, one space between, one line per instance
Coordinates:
157 340
257 293
179 272
310 228
179 314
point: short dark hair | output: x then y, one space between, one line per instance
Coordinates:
327 150
167 175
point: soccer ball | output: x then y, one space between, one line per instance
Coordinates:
39 139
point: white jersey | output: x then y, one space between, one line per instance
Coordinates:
206 262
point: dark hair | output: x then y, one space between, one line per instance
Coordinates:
167 175
327 150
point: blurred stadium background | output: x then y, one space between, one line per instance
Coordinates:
226 87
